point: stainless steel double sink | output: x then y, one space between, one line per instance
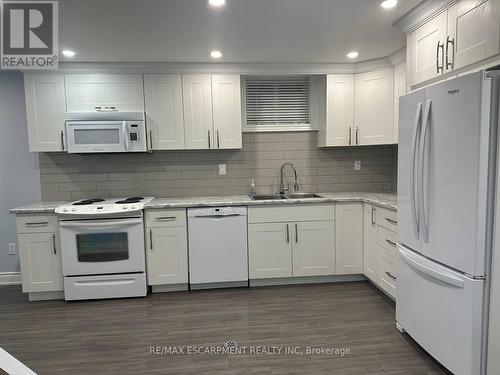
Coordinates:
262 197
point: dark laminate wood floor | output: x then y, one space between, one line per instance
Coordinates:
115 336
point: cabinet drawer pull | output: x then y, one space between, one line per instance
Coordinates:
390 275
151 139
357 135
54 243
392 243
218 141
209 138
287 234
36 223
296 233
374 218
350 136
151 239
391 221
166 218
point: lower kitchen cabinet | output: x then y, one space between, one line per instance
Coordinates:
370 241
313 248
349 238
269 250
167 256
40 258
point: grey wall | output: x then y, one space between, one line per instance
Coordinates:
19 173
192 173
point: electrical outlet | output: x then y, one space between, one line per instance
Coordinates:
12 249
357 165
222 169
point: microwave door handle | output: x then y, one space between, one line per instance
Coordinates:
125 135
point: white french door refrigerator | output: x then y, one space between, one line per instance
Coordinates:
446 168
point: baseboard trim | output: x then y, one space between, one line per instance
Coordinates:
169 288
10 278
306 280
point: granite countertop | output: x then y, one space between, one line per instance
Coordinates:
386 200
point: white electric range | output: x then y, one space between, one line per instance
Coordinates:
102 248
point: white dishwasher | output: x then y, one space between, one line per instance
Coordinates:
218 255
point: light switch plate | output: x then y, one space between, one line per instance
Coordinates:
222 169
12 249
357 165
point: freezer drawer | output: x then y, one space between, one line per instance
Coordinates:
440 309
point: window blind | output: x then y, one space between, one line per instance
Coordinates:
277 100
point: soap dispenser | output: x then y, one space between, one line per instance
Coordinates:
252 188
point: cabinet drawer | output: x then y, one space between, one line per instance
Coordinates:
388 276
165 218
37 224
387 218
386 239
292 213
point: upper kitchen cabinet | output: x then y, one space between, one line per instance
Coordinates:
94 92
212 111
473 32
164 112
226 104
374 107
337 127
198 118
45 111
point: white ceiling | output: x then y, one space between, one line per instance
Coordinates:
284 31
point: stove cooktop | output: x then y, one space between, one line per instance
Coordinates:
100 206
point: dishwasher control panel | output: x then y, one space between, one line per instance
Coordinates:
217 211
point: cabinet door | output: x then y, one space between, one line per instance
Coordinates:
370 256
167 257
85 92
349 238
40 258
269 250
423 55
373 107
313 248
474 30
45 111
339 109
399 91
197 100
226 99
164 113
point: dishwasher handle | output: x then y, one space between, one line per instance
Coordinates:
216 216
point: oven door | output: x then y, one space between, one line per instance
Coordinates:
92 247
96 136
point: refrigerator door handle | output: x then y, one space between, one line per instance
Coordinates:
423 178
413 196
445 277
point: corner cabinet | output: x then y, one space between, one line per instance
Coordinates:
45 111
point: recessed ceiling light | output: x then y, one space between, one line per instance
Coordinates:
352 54
217 3
388 4
216 54
68 53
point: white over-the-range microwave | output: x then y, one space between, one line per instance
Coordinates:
113 131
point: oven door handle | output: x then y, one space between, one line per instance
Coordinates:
98 224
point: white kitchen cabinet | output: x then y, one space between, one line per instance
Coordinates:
45 111
40 259
339 121
164 111
198 115
473 32
226 104
374 107
167 258
349 238
370 256
313 248
269 250
426 50
400 89
91 92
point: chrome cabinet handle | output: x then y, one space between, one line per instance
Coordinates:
357 135
37 223
151 239
62 140
287 234
54 243
391 221
218 142
390 275
373 215
150 139
392 243
296 233
439 68
452 63
209 138
165 218
350 136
